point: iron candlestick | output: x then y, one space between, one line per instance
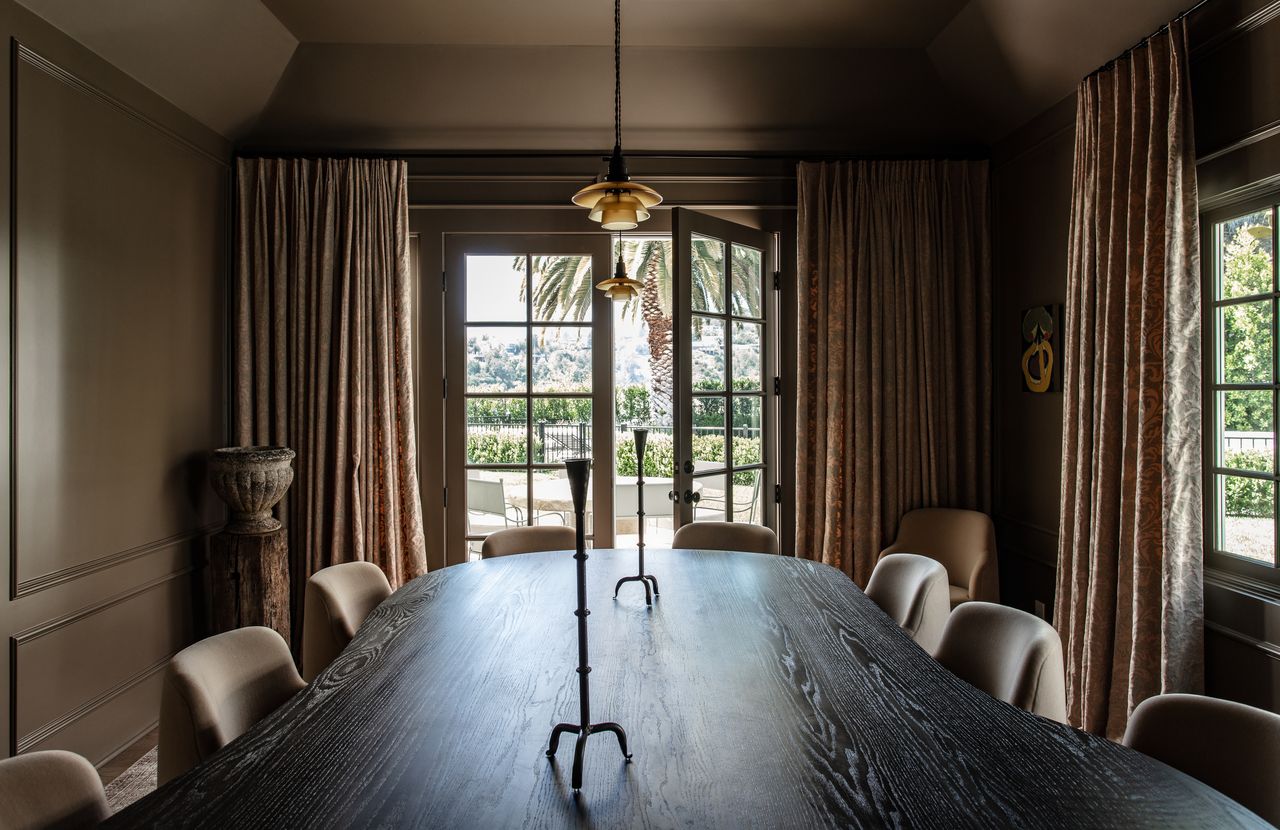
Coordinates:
579 470
641 437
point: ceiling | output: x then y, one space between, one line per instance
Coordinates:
694 23
218 60
800 75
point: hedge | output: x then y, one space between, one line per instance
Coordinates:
659 455
1249 497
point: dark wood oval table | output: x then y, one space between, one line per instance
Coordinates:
759 691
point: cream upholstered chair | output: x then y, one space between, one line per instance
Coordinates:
218 688
1009 654
338 598
51 789
530 539
1232 747
964 541
735 536
912 590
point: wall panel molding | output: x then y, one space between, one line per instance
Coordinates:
24 54
24 742
33 58
38 736
49 580
1263 646
1242 25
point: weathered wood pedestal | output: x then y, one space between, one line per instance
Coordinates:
249 558
250 580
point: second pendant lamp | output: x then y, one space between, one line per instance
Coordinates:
618 203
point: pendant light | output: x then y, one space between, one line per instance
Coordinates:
620 287
617 203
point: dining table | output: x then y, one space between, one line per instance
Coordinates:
757 691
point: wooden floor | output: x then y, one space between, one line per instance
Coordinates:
112 769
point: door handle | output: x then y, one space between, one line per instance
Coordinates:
691 497
688 466
674 496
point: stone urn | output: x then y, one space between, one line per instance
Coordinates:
251 480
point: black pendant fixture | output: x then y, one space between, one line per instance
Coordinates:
618 203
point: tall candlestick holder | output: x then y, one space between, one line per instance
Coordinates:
641 437
579 470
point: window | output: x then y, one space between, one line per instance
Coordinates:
1241 392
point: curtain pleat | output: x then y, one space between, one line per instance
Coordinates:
894 375
323 356
1129 595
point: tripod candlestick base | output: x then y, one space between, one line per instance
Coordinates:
580 745
644 579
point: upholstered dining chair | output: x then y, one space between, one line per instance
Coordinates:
738 536
1009 654
218 688
1232 747
530 539
964 541
338 598
50 789
912 590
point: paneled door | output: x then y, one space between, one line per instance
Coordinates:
726 382
528 384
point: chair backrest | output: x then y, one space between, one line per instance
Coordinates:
1232 747
338 598
528 540
964 541
218 688
50 789
1009 654
725 536
912 590
485 496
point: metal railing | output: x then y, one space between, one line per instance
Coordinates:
556 441
1237 441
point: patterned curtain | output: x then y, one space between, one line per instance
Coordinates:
323 360
1130 598
894 375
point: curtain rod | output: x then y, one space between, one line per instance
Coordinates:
1144 41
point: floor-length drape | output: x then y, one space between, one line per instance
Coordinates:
893 410
1130 600
323 359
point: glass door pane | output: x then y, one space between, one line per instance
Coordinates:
523 324
644 377
725 399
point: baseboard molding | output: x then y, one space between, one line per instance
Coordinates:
115 753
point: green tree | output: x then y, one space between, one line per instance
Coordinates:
1246 330
564 290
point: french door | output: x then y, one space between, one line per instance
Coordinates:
726 383
528 383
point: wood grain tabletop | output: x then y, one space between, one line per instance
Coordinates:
758 691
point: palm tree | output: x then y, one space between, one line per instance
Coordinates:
563 292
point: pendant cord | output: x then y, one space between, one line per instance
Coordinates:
617 73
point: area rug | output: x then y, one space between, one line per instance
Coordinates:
135 782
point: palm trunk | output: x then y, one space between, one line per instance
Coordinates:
660 355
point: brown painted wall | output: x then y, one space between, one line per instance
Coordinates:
1031 180
1238 145
115 230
